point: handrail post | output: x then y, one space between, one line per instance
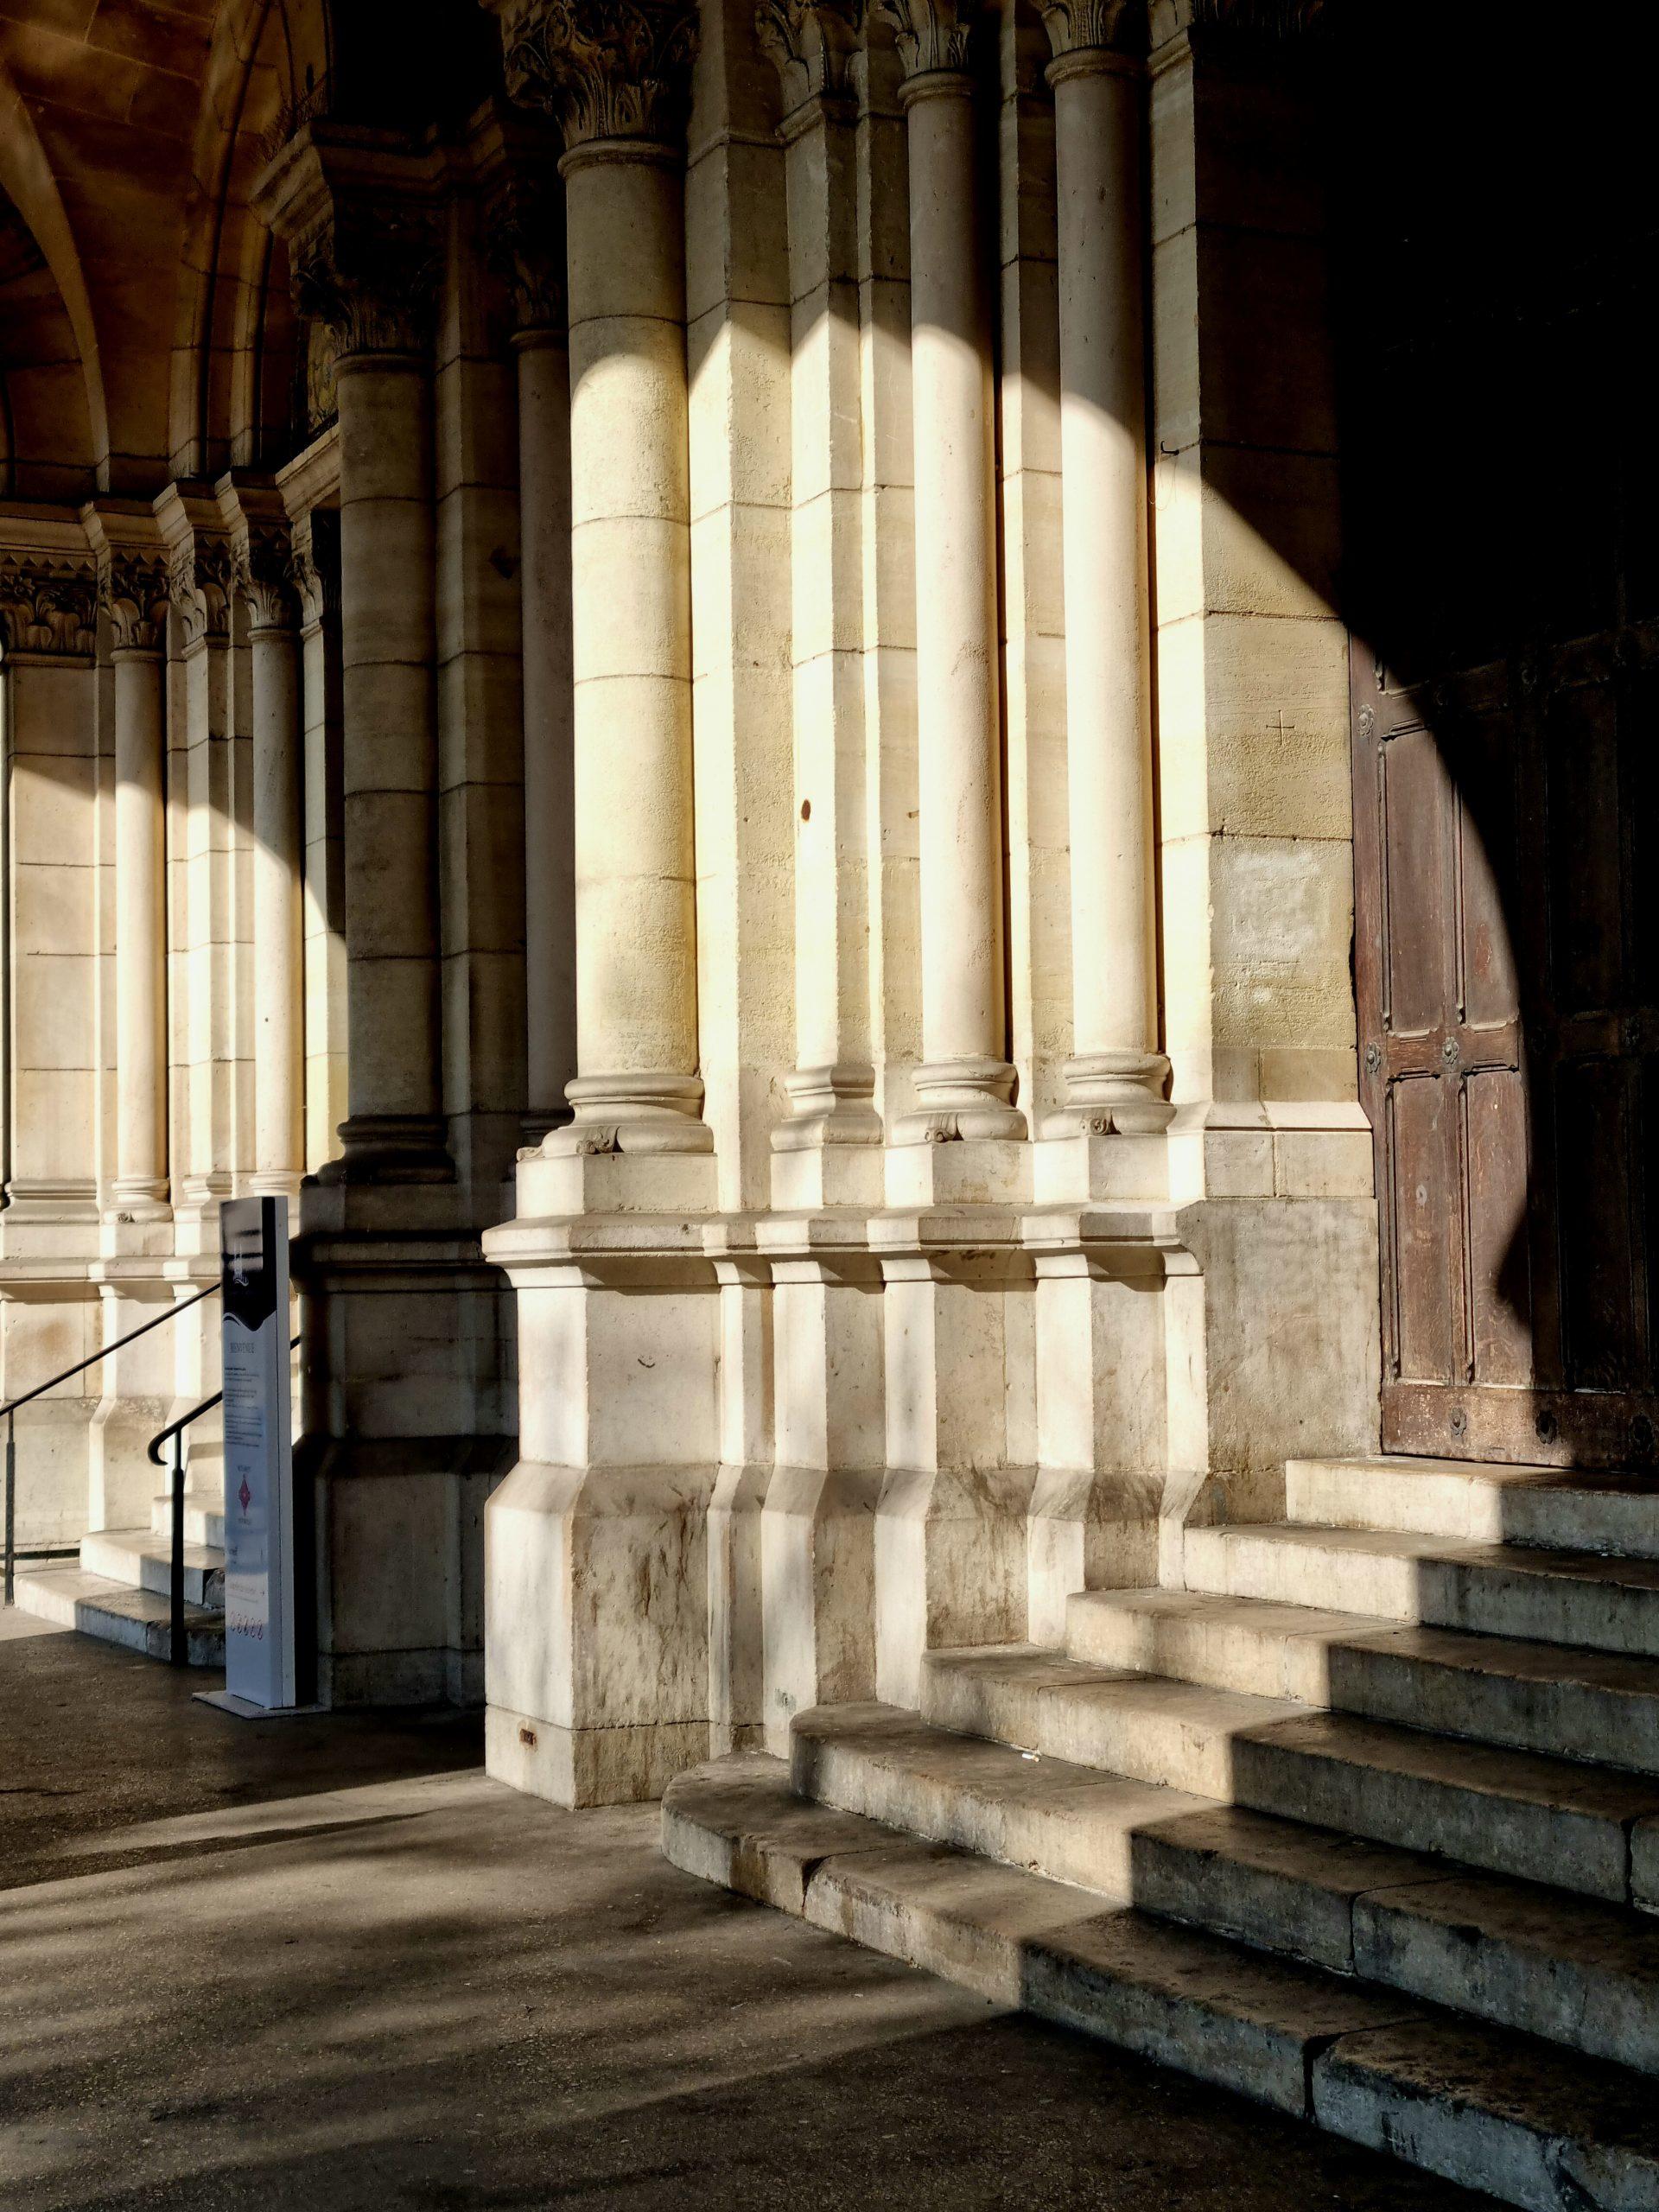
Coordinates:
11 1506
180 1651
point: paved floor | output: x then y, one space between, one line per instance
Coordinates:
328 1964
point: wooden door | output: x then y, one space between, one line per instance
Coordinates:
1502 600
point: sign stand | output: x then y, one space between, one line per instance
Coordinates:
261 1658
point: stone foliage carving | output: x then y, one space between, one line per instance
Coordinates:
601 69
931 33
1082 26
134 588
200 579
812 43
266 575
524 242
369 272
316 565
48 605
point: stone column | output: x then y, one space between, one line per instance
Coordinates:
133 585
316 575
47 630
266 577
1116 1078
612 77
966 1083
528 229
825 1146
365 242
597 1571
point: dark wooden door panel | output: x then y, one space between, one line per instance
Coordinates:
1500 456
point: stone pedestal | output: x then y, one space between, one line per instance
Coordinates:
818 1530
597 1564
950 1565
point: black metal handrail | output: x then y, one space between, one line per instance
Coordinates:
27 1397
173 1434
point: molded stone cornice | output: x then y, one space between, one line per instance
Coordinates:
48 603
1090 26
601 69
812 44
362 215
133 589
931 34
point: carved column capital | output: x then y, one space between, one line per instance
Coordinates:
812 44
1106 28
933 36
524 229
199 579
133 589
48 603
316 566
266 575
363 222
601 69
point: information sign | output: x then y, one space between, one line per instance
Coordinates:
259 1585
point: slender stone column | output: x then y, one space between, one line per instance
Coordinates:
832 1086
1116 1078
48 899
316 575
134 588
965 1081
527 226
366 243
612 77
265 578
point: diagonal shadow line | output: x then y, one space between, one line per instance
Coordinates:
163 1854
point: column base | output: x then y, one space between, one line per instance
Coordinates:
137 1200
633 1114
390 1148
277 1183
829 1106
961 1100
1113 1093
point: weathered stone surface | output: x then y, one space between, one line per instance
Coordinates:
1497 2112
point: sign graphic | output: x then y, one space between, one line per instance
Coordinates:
259 1640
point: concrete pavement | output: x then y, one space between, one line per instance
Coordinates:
328 1964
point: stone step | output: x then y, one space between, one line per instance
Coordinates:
1469 1501
1515 1954
204 1518
135 1619
1563 1699
1543 1596
1541 2127
1590 1829
143 1560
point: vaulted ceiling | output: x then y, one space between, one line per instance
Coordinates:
145 331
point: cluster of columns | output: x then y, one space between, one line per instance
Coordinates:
618 94
192 559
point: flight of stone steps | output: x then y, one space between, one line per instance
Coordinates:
120 1590
1363 1822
